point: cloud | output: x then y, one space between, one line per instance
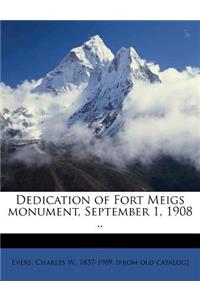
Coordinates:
163 118
31 155
159 119
45 111
186 33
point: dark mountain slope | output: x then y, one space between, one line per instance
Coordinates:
67 174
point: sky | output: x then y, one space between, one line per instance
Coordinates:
30 49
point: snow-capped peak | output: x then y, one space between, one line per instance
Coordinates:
95 39
75 69
96 48
106 101
129 54
127 61
101 80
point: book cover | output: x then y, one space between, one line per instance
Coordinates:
100 148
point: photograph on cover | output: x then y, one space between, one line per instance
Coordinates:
100 106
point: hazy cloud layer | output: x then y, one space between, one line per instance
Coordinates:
161 118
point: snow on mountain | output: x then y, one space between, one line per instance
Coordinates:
102 81
18 124
78 67
106 101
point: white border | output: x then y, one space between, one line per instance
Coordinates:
99 10
153 290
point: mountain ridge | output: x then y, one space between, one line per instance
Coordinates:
76 67
43 149
103 81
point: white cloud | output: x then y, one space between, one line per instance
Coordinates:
186 33
160 118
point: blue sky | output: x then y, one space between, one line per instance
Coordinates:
30 49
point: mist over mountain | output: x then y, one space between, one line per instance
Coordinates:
100 81
114 112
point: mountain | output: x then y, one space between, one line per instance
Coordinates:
63 173
32 160
80 66
106 101
18 124
102 81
